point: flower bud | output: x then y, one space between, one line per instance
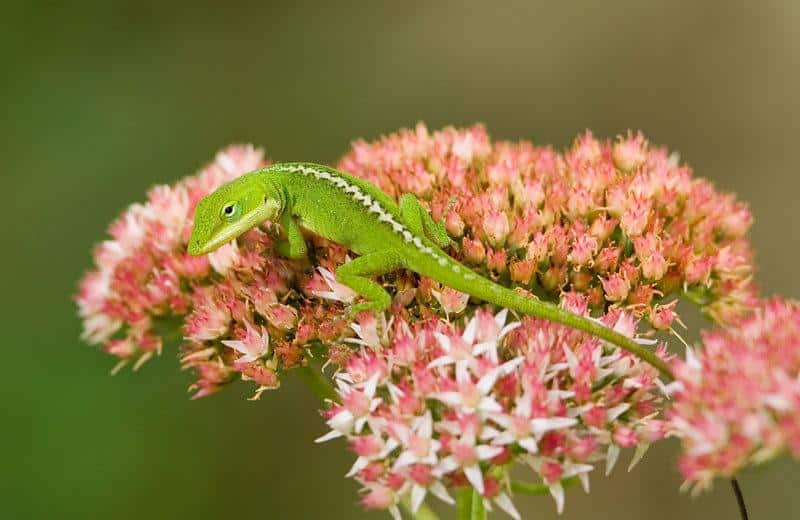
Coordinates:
630 153
521 271
496 260
474 251
496 227
616 287
453 224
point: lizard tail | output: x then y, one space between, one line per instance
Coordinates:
459 277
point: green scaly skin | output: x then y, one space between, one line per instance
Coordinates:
359 216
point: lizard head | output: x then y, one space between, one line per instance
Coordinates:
230 210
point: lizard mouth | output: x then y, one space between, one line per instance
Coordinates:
199 247
221 237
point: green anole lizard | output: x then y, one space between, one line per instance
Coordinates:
386 235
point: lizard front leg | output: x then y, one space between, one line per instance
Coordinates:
354 275
294 246
419 221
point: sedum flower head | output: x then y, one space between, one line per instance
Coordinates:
441 393
225 304
439 405
621 221
737 401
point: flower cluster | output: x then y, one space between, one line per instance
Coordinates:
429 406
523 215
619 221
737 401
141 270
440 393
225 304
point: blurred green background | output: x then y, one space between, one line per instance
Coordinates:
100 101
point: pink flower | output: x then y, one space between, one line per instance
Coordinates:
208 321
326 286
522 271
616 287
662 316
635 215
466 455
353 414
224 258
524 429
454 224
452 301
280 316
631 152
253 344
420 446
369 329
583 250
496 227
381 497
474 251
651 257
737 401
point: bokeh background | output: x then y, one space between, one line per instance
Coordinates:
101 100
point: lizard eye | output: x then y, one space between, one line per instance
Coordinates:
229 210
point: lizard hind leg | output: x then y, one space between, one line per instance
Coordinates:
420 222
355 273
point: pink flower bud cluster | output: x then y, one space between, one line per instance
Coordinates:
620 221
434 406
439 394
142 269
737 401
225 305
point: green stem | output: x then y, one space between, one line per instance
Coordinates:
478 512
464 504
469 505
737 491
316 382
